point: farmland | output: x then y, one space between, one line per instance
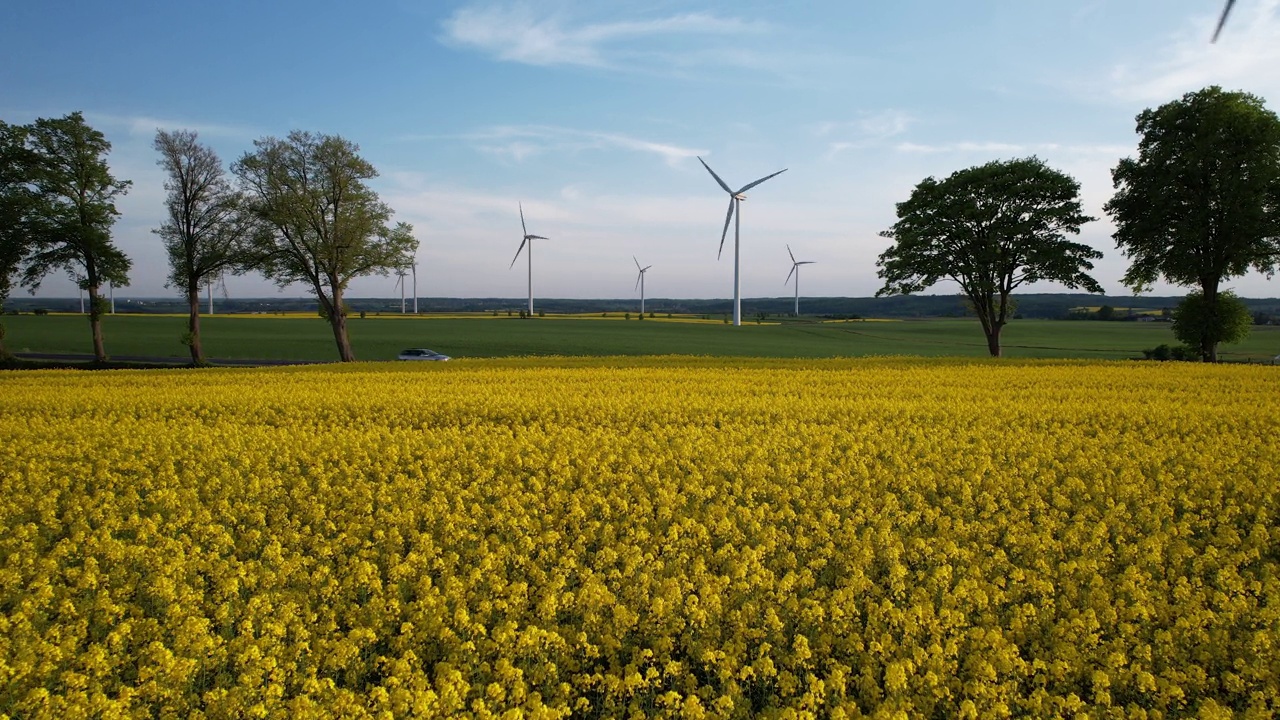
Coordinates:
684 537
482 335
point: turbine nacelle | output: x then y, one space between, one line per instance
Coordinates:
795 268
735 197
642 271
525 240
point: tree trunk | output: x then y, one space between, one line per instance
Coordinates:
993 339
1208 348
193 326
4 353
95 322
338 320
990 328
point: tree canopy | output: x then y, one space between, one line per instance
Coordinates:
206 227
323 224
1201 202
990 229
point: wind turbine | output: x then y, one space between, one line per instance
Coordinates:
222 285
528 239
640 283
795 269
400 273
1226 10
735 211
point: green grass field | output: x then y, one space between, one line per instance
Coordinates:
380 338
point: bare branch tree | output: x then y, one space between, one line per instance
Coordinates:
206 229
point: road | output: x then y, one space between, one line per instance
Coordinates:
173 360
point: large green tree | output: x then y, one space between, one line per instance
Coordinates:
206 226
1226 321
16 202
1201 202
323 224
70 225
990 229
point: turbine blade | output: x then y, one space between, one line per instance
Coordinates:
766 177
522 226
640 275
806 262
727 219
793 257
633 257
517 257
793 269
714 175
1222 20
535 237
646 268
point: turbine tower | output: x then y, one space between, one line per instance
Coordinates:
795 269
735 215
640 283
528 240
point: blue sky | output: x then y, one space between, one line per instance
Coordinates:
591 114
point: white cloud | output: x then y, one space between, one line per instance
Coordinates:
518 142
969 147
518 33
869 130
144 126
1246 57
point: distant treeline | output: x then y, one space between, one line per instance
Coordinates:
1041 306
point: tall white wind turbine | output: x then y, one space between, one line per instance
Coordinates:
795 269
528 240
640 282
735 214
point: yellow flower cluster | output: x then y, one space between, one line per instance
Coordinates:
675 537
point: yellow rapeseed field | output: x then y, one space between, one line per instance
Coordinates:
674 537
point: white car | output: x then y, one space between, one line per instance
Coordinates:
421 354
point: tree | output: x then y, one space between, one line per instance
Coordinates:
1201 203
325 226
16 202
1196 321
69 227
206 228
990 229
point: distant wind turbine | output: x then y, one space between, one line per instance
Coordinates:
640 282
400 275
795 269
735 211
1226 10
528 240
221 284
